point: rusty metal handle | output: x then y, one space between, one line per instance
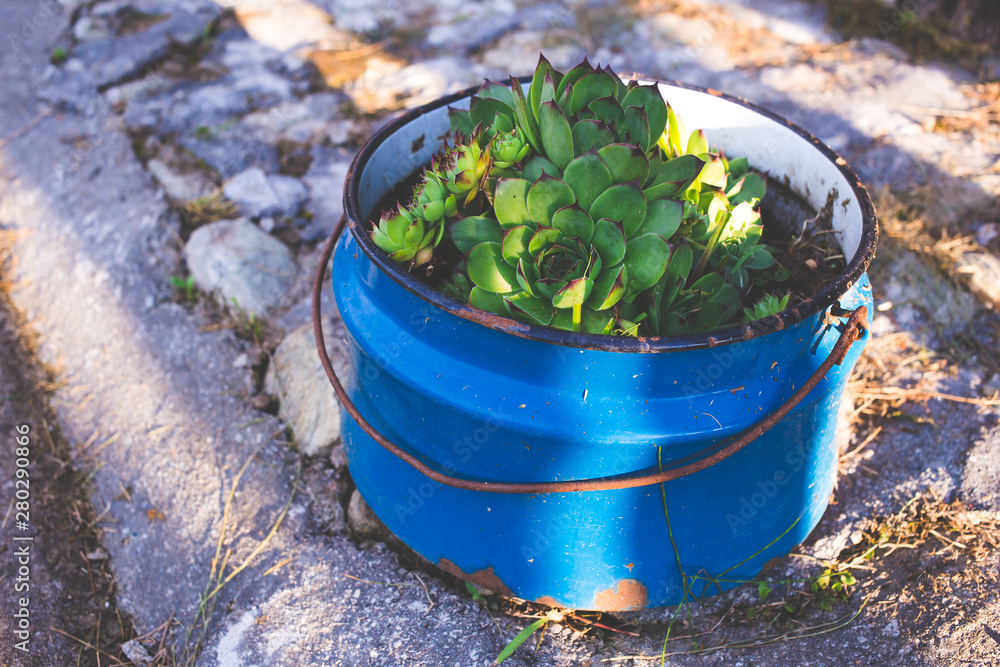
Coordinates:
856 322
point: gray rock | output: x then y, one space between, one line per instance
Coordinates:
89 29
363 16
240 261
259 194
310 120
338 457
181 186
923 298
230 151
472 33
325 181
981 478
308 403
112 60
983 271
136 652
362 520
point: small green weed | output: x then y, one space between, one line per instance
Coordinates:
247 325
58 56
185 288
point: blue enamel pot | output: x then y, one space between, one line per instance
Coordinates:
508 454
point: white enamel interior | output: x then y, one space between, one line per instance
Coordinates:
769 145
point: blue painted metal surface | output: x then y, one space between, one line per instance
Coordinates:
482 404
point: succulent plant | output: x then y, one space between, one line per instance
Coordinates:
601 213
404 237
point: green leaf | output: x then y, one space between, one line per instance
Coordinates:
663 217
626 162
608 287
677 136
607 110
709 284
542 239
590 87
674 177
556 134
588 176
623 203
574 293
646 259
597 322
488 301
591 135
609 241
502 123
655 162
651 102
511 202
488 270
760 258
638 128
394 228
497 91
531 309
714 172
548 89
710 315
542 70
546 196
460 122
518 640
574 222
620 88
738 167
753 187
536 166
467 233
571 78
527 276
697 143
763 590
515 244
524 117
484 110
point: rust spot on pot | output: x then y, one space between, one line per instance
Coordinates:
771 564
630 594
484 579
550 601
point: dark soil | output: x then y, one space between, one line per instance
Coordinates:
68 587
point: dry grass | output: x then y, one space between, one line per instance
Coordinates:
984 115
920 220
896 371
208 209
949 530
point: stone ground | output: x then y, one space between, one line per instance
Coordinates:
154 153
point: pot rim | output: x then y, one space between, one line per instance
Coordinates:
828 296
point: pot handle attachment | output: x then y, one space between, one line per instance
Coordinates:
857 321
